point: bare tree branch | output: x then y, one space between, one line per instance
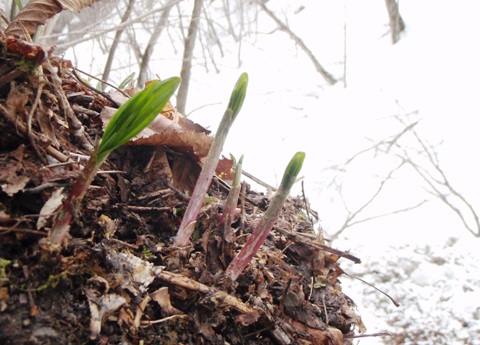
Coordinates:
143 72
282 26
99 33
188 56
413 151
451 197
353 218
116 41
397 24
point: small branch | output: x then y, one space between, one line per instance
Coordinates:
302 238
190 284
323 72
382 292
139 19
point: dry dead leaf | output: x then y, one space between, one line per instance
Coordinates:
184 173
139 311
76 5
162 297
224 169
49 207
132 269
100 308
44 118
101 303
125 316
37 12
194 144
12 179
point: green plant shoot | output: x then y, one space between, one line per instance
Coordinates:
206 175
126 81
129 120
231 203
266 223
136 114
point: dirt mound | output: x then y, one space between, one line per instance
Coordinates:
119 280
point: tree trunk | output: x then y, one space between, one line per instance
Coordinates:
396 22
188 56
147 55
116 41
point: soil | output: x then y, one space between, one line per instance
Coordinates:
118 279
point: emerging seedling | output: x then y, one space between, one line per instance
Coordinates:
206 175
231 203
265 225
129 120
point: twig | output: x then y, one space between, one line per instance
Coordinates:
190 284
74 124
260 182
30 116
147 323
297 237
371 285
283 27
381 334
7 230
74 72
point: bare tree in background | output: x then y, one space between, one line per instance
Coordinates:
188 56
360 213
284 27
397 24
147 54
116 40
423 158
214 27
410 151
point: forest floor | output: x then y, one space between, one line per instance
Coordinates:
118 279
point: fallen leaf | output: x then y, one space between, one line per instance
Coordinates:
184 173
49 207
162 297
100 308
125 316
36 13
15 184
44 119
224 169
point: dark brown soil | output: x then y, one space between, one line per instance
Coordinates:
118 280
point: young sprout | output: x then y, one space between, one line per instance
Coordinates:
231 202
206 175
259 235
129 120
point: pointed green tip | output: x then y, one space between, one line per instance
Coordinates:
296 163
292 170
238 94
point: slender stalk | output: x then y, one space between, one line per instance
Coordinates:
187 226
71 204
231 203
266 223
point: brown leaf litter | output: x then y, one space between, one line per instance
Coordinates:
119 280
